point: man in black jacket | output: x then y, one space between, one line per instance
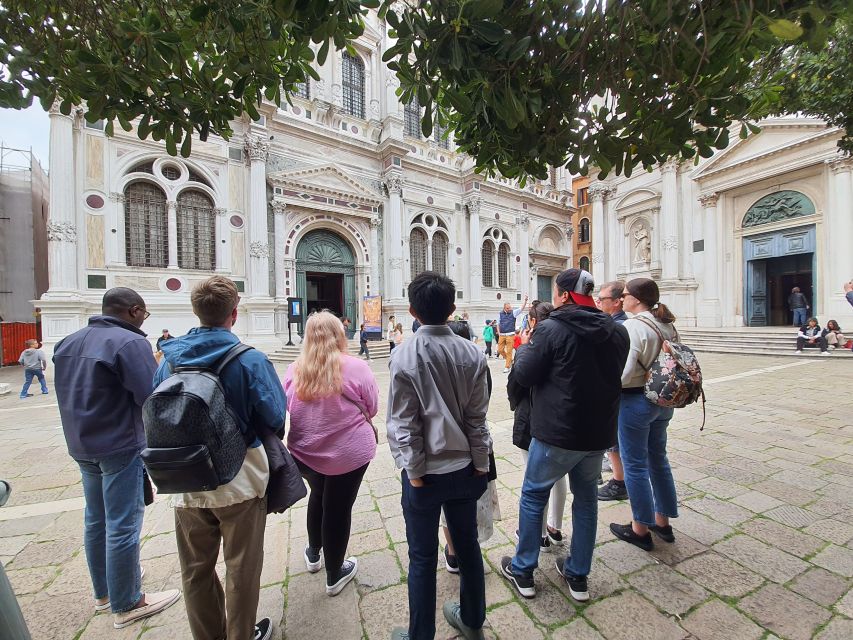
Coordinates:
574 365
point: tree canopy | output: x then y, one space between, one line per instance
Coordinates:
523 84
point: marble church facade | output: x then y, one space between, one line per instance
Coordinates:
332 197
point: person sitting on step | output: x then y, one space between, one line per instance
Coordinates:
810 336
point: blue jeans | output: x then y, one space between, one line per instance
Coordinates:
545 465
801 316
112 486
29 374
642 443
458 493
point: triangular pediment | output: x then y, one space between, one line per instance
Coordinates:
775 137
328 180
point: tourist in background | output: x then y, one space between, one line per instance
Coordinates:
799 306
389 333
362 342
103 375
34 363
437 404
643 425
848 292
519 402
833 336
506 332
396 336
810 335
488 337
609 300
332 398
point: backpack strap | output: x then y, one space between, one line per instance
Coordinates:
660 335
232 354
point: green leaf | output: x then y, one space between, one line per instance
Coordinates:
199 12
785 29
488 31
171 148
187 146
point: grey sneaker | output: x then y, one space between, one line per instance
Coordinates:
452 613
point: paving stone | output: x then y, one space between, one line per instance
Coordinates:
510 621
65 620
784 612
310 604
385 487
756 501
550 607
772 563
627 616
672 553
700 527
39 554
791 516
366 521
836 559
275 553
832 530
838 629
720 488
719 510
578 629
26 581
73 578
497 590
706 623
368 541
25 526
720 575
396 528
778 535
623 558
820 585
789 494
845 605
669 590
377 570
271 605
13 545
161 545
364 502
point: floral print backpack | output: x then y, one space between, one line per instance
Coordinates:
674 378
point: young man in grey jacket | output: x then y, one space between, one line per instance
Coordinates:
437 432
34 363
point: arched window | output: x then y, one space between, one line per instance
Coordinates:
412 118
487 255
583 231
439 253
503 266
196 231
442 138
417 251
353 85
146 227
584 263
303 89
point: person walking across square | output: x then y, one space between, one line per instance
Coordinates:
437 404
506 331
103 375
34 363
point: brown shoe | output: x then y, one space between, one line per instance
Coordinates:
154 603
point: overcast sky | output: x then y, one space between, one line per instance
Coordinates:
29 128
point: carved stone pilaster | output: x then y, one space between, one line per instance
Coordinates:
472 205
115 196
597 192
709 199
256 148
396 264
376 222
524 222
279 208
840 165
570 231
220 211
259 250
394 184
670 243
475 270
597 258
61 232
670 165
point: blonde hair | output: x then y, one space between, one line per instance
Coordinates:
317 370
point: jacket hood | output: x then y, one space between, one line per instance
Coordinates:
200 347
588 324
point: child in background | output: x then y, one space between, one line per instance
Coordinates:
34 363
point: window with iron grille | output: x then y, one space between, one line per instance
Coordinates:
145 167
439 253
552 177
412 118
353 85
442 138
196 231
146 227
503 267
417 252
584 263
303 90
487 256
583 230
194 176
583 196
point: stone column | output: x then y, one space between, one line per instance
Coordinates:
523 284
394 236
257 149
279 211
61 225
475 239
840 231
669 219
597 193
710 279
612 228
222 240
375 285
172 226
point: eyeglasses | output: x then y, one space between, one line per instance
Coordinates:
145 313
600 298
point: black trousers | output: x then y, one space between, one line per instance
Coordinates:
820 341
330 514
489 348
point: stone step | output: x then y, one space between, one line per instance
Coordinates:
378 349
772 341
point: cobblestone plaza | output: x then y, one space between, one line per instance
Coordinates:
764 543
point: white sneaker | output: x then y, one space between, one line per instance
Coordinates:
506 370
103 606
348 571
313 565
799 350
824 353
154 604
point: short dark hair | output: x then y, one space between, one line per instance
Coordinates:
431 296
120 299
460 328
616 287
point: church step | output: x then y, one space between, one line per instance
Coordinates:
378 349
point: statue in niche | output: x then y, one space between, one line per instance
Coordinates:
642 244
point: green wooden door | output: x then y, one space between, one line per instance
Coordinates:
324 251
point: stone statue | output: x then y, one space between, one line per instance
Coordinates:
643 245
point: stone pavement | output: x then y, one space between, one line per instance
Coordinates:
764 542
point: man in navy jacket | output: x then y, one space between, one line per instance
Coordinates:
103 375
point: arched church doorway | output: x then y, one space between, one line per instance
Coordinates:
325 274
777 261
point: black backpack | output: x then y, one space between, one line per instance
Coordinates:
194 438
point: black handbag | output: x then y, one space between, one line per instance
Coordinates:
181 469
286 486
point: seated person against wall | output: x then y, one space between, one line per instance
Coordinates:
832 334
810 336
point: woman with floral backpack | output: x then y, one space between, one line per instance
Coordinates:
642 423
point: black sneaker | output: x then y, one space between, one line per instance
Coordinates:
556 536
664 533
450 562
263 629
544 543
348 570
626 532
525 586
577 584
600 480
613 490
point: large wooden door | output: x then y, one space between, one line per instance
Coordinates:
323 251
